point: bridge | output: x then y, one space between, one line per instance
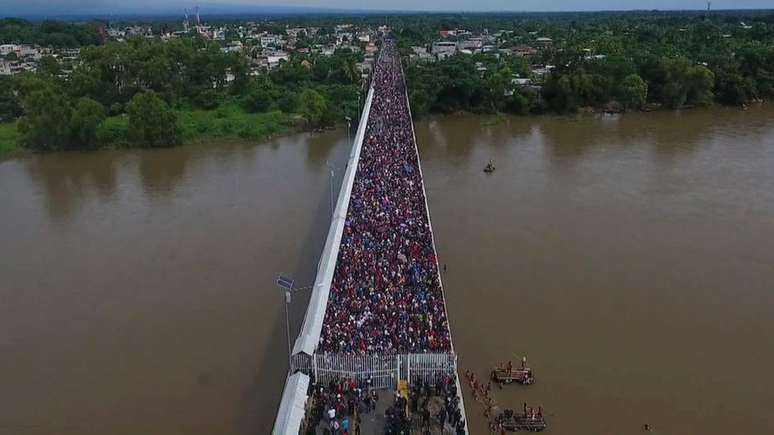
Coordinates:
377 318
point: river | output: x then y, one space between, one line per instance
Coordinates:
629 257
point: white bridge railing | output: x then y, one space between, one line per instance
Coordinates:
383 371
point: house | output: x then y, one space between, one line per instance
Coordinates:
268 40
5 67
524 50
7 49
543 41
444 49
472 44
275 58
542 70
520 82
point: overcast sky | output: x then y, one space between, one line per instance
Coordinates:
21 7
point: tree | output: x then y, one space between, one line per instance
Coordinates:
559 94
86 117
733 89
288 102
312 106
46 123
700 84
632 92
153 120
517 104
49 66
261 97
10 106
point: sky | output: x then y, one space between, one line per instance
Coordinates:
75 7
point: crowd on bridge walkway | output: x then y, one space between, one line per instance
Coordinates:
386 294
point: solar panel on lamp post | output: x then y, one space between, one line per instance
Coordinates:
287 285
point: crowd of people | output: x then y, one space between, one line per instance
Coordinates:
430 408
386 295
336 407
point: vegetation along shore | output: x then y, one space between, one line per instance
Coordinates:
99 84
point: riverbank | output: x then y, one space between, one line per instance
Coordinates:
9 137
197 126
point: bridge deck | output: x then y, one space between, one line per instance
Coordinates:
378 281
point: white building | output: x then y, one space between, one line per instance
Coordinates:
7 49
444 49
5 67
275 58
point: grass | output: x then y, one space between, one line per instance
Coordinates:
230 121
9 136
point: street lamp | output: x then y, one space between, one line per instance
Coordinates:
330 169
286 284
349 126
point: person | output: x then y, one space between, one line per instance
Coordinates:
385 295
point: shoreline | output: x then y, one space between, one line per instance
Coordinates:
488 119
17 151
595 112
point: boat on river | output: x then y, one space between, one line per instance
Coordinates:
507 374
531 420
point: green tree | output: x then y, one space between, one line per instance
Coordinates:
49 66
46 122
312 106
700 84
632 93
517 104
10 106
733 89
261 97
153 120
288 102
86 118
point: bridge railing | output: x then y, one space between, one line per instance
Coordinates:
383 371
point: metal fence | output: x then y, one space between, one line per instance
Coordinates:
383 371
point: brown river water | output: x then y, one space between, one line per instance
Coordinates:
630 258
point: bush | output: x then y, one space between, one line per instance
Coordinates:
154 121
209 99
312 106
261 98
87 116
115 131
288 103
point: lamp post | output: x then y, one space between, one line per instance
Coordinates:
286 284
349 126
331 175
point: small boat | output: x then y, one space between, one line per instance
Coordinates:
507 374
489 168
530 420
